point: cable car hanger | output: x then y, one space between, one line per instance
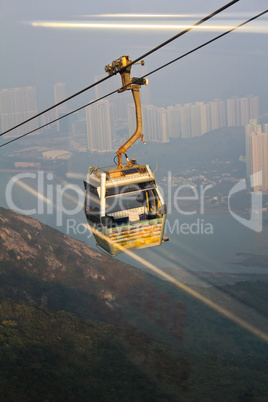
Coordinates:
123 66
123 205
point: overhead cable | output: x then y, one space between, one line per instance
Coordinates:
134 61
206 43
152 72
59 118
56 105
184 31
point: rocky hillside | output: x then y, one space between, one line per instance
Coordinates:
61 273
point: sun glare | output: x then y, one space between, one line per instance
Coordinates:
213 305
134 26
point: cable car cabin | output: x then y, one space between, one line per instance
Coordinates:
124 208
123 205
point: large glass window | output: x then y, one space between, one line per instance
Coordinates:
132 196
92 200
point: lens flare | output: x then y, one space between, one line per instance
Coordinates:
132 26
214 306
30 190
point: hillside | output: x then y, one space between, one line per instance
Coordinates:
74 319
49 356
78 325
59 272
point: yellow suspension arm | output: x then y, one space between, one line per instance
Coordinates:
121 66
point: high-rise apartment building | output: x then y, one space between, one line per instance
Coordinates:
254 107
173 121
244 111
205 118
118 101
59 95
257 154
99 131
241 110
16 106
196 125
218 114
231 113
154 122
185 119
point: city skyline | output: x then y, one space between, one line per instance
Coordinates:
233 65
159 123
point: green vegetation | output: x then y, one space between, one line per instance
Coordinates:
76 325
56 356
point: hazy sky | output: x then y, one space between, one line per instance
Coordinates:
34 53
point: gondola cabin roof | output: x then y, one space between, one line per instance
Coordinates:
116 177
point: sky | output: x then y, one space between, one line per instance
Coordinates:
85 36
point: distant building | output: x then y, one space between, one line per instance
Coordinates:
244 111
231 113
205 118
56 154
254 107
218 114
257 153
16 106
27 165
241 110
185 119
173 121
196 126
60 95
193 120
154 122
118 102
98 123
79 134
79 128
201 120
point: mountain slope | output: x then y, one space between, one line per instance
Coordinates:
77 325
59 272
70 322
57 356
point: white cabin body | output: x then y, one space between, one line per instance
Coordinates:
124 208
